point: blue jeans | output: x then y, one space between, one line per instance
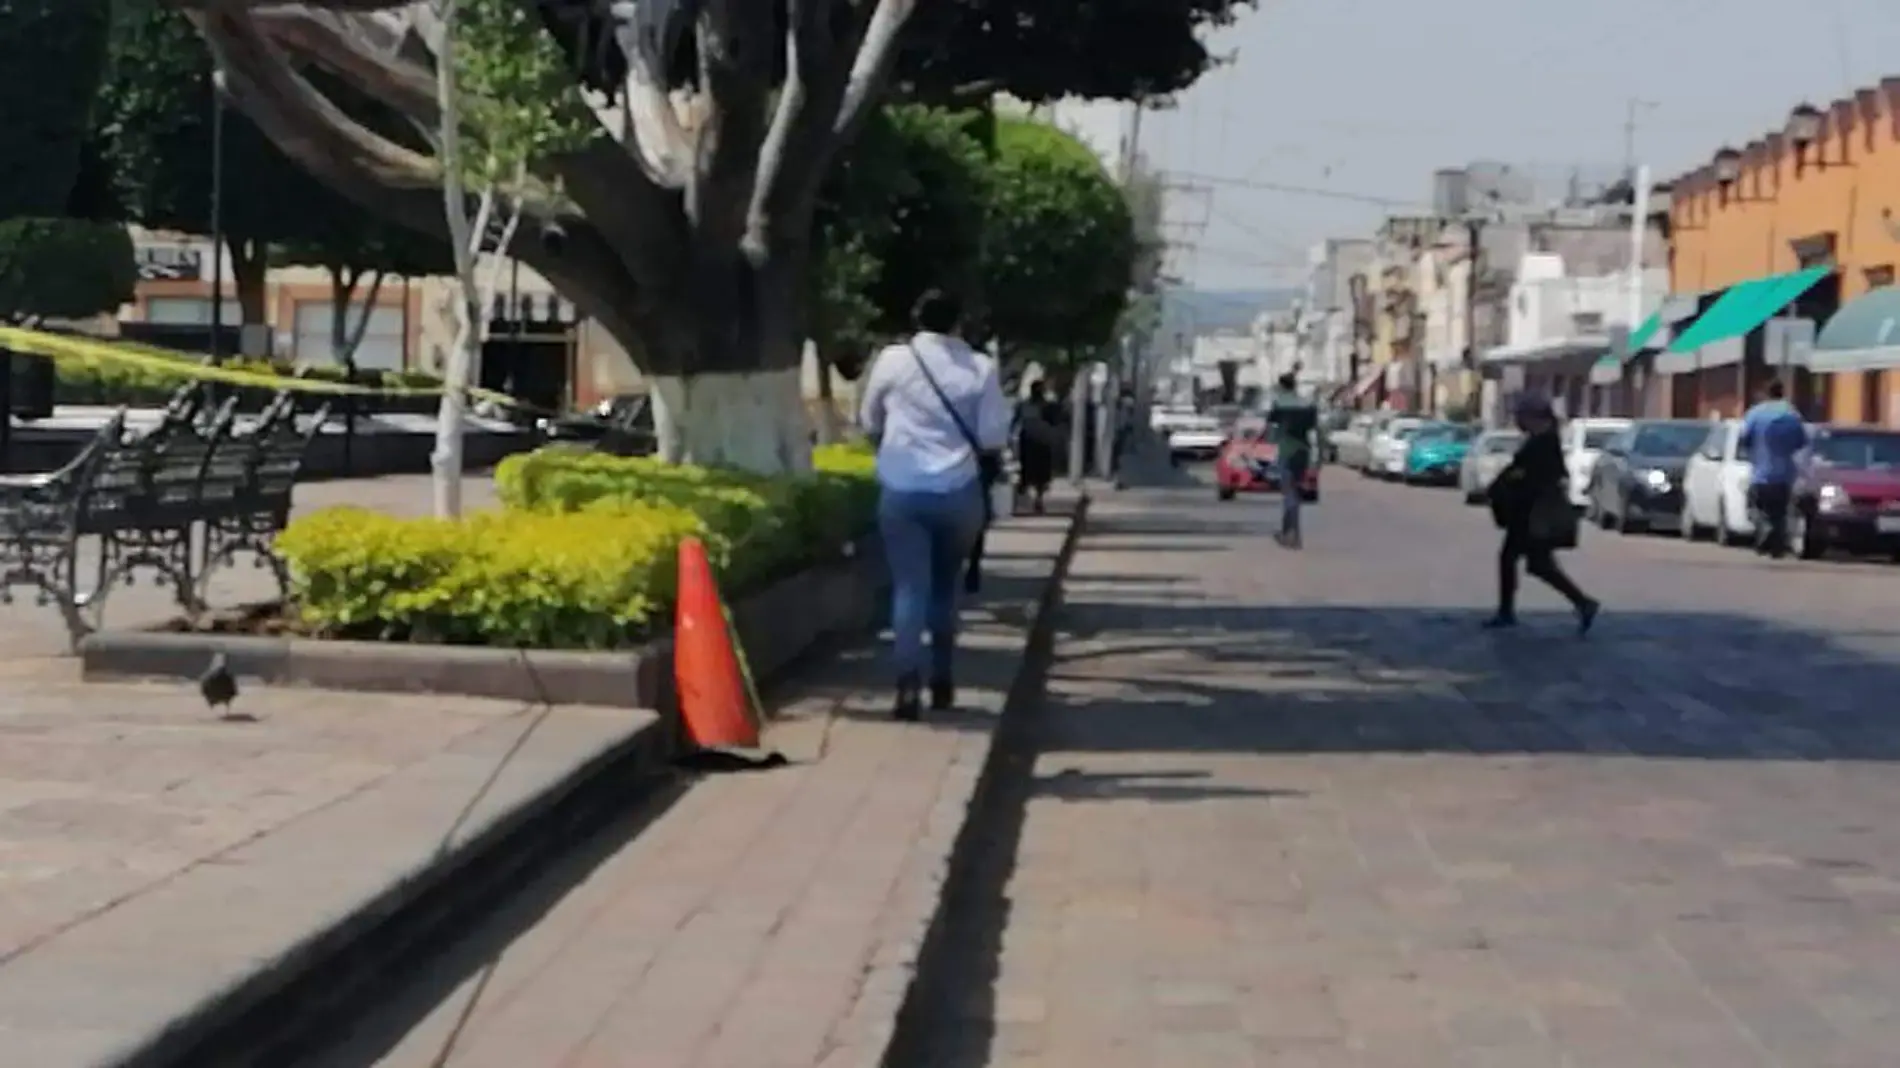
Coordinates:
927 538
1292 474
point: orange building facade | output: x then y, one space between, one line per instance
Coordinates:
1824 192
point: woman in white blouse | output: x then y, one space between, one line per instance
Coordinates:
935 408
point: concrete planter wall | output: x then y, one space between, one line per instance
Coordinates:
776 626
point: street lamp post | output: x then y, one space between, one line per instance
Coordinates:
217 216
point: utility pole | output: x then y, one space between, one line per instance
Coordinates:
1474 273
1639 232
1636 106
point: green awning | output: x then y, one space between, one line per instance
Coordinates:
1645 332
1637 340
1870 321
1746 306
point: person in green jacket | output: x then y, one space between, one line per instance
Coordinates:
1294 423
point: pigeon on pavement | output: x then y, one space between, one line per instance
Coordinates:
220 688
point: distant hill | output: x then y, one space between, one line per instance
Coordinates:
1214 311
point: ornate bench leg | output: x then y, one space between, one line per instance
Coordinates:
52 585
224 542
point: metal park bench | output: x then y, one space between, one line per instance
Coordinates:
245 497
153 501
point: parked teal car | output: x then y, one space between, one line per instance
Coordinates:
1437 453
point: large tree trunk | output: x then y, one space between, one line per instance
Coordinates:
250 266
740 405
750 420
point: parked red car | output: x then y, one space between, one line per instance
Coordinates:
1247 463
1847 495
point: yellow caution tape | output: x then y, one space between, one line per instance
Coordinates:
68 348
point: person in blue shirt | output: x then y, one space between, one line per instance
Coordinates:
1773 434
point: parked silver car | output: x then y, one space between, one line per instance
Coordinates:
1486 458
1352 444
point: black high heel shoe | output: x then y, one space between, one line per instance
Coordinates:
909 706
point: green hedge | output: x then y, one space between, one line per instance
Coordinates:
110 382
582 554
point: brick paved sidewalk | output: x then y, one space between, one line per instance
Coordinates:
763 920
151 856
1297 811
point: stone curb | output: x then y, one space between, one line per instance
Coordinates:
911 975
777 624
279 1008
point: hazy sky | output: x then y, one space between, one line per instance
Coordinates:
1368 97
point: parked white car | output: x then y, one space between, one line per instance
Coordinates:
1485 460
1583 443
1352 443
1196 438
1164 419
1715 488
1387 455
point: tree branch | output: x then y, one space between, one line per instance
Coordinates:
319 137
871 72
647 32
365 51
833 78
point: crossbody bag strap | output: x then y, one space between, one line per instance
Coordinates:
976 450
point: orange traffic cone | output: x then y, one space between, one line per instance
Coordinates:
714 697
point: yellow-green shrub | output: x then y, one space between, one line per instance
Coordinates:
766 524
582 555
594 579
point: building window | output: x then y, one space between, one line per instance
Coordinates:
1879 277
382 345
189 311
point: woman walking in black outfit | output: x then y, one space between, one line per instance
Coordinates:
1531 504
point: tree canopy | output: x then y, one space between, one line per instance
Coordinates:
1059 247
154 124
682 218
1043 50
902 213
53 265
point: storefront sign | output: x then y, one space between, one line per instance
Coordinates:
169 263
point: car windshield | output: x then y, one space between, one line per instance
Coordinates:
1595 437
1446 433
1669 439
1500 443
1405 433
1858 451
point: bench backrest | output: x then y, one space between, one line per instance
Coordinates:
278 448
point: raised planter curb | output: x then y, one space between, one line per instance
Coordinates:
270 1010
776 624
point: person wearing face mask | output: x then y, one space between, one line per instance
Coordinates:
1531 504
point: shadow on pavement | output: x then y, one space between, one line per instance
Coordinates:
1156 677
1199 678
1070 784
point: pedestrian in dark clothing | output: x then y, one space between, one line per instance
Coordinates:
1530 501
1773 433
1038 433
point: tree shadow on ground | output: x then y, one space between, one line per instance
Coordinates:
1382 679
1205 678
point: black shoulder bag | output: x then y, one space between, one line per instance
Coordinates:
989 465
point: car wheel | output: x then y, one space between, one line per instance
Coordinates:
1225 493
1626 525
1803 539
